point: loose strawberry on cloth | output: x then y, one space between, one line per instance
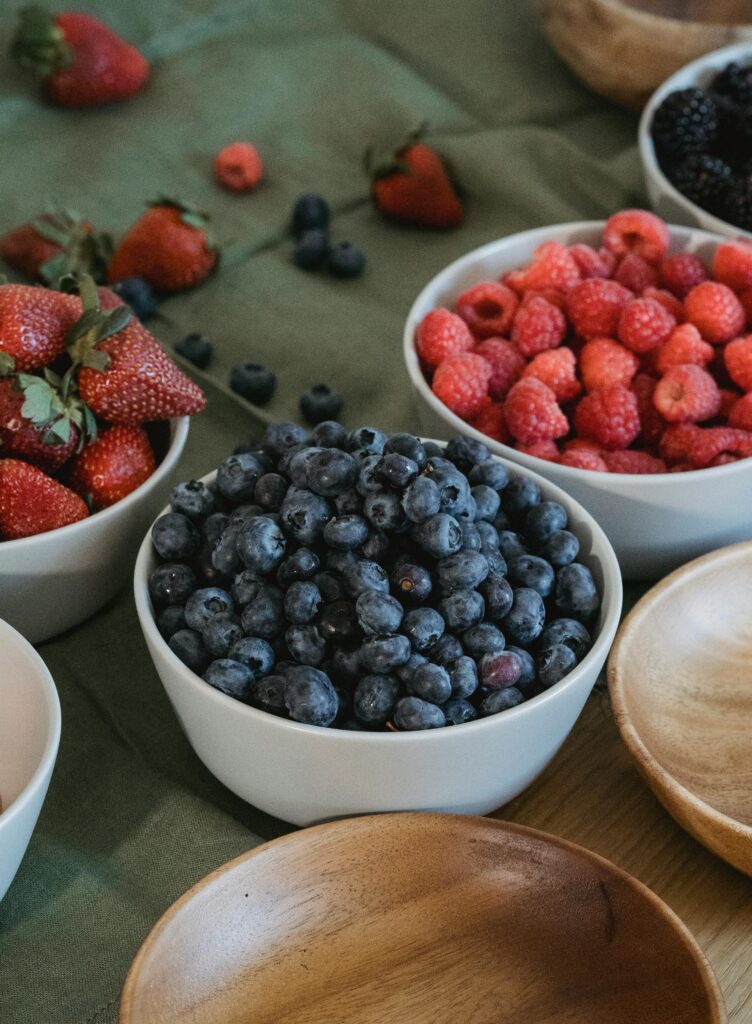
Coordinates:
56 243
414 186
32 502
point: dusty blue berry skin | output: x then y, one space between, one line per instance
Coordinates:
543 521
189 647
302 564
382 654
455 498
520 495
346 533
412 714
338 621
170 620
464 677
533 572
229 677
329 434
310 212
305 644
378 612
268 694
376 547
175 537
342 562
569 632
500 700
311 249
462 609
304 515
528 675
237 477
254 382
349 503
196 348
487 502
465 453
470 536
424 627
192 499
465 570
366 438
295 463
367 480
263 616
261 544
485 638
225 556
430 682
491 473
525 620
302 602
206 603
503 668
410 446
331 472
384 511
255 653
214 526
374 698
346 260
456 711
278 437
561 548
139 295
511 545
346 667
321 404
270 491
439 536
411 583
208 576
219 634
576 593
395 470
366 576
171 583
330 586
405 672
446 651
310 697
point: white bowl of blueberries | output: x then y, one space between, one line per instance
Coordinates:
352 622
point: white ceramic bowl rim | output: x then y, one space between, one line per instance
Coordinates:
49 754
177 440
443 280
645 140
610 613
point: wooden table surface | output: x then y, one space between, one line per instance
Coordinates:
592 795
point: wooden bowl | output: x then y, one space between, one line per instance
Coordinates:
681 690
624 49
420 919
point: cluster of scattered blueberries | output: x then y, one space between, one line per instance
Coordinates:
366 581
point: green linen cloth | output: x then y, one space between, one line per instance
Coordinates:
132 818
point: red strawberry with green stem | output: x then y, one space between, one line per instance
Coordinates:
34 323
118 462
56 243
31 502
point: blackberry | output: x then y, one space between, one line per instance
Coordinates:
707 181
739 208
686 122
735 82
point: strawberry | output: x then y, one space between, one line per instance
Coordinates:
34 323
118 462
32 502
56 243
36 423
414 187
80 61
168 247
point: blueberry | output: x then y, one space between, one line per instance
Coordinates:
172 584
421 499
329 434
454 490
378 613
349 503
192 499
278 437
263 615
465 570
498 595
528 675
520 494
238 475
367 480
554 663
485 638
189 647
203 605
338 621
395 470
561 548
346 260
311 249
346 533
470 536
465 453
294 463
302 602
305 644
346 664
138 294
219 634
491 473
412 713
302 564
497 565
225 557
501 669
243 514
487 502
197 349
464 677
175 537
411 583
310 696
331 472
366 576
368 438
304 515
321 403
374 698
268 694
544 520
511 545
341 562
229 677
383 653
254 382
500 700
524 621
433 450
489 536
311 211
438 536
408 445
170 620
576 593
502 521
255 653
270 491
569 632
384 511
462 609
330 587
533 572
447 651
456 711
208 575
214 526
376 546
430 682
261 545
424 627
405 672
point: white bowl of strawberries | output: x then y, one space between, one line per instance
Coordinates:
93 419
611 357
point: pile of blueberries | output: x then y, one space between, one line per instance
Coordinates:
366 581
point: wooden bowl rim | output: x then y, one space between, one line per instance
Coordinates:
617 688
701 962
652 21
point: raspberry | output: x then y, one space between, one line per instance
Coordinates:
715 311
652 422
684 345
708 443
487 308
681 272
441 334
609 416
723 459
594 306
676 442
732 264
583 458
238 167
745 298
556 369
552 295
547 450
490 421
552 266
687 393
604 361
532 412
729 399
592 263
581 444
636 273
637 231
461 383
633 462
738 359
644 324
506 365
740 414
669 302
538 326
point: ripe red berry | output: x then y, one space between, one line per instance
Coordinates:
594 307
708 443
557 369
604 361
490 421
461 383
546 450
592 263
630 461
732 264
668 300
687 393
684 345
740 414
238 167
681 272
441 334
676 442
738 359
552 266
584 458
538 326
609 416
635 273
644 325
715 311
487 308
636 231
532 412
506 365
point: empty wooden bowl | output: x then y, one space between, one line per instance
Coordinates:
420 919
624 49
680 676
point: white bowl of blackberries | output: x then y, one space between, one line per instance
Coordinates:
696 143
348 622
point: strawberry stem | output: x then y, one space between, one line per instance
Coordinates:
40 44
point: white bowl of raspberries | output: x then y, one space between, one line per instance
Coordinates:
352 622
93 419
612 357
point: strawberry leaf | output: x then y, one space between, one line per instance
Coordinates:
59 432
52 378
115 320
88 292
7 364
39 399
93 359
87 322
90 424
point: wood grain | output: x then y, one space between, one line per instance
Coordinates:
414 919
